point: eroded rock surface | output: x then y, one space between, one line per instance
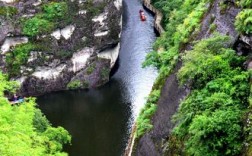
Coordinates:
72 51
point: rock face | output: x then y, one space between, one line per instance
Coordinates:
81 47
153 143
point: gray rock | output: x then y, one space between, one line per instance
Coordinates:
51 66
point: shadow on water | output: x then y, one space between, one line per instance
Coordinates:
96 119
100 120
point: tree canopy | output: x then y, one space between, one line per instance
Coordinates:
24 129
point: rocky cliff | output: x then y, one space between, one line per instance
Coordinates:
57 45
219 17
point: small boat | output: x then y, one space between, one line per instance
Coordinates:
142 16
21 100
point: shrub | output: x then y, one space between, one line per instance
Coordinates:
74 84
244 3
46 21
144 119
104 73
94 10
207 61
213 27
182 23
19 135
216 134
37 26
17 57
90 69
63 54
209 120
8 11
40 122
55 11
243 21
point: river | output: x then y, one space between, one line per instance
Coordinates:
100 120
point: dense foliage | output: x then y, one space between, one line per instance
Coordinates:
24 130
210 120
37 26
243 21
244 3
55 11
46 21
248 128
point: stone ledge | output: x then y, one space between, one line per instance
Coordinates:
158 15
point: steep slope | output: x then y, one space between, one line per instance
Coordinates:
186 22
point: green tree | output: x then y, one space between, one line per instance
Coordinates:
22 132
209 120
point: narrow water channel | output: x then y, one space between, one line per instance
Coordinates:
100 120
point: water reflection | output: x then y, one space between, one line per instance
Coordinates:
136 42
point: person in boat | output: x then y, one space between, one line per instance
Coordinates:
16 99
142 16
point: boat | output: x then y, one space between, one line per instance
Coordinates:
142 16
21 100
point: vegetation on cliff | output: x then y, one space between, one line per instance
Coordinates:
211 119
243 21
45 21
184 19
143 121
8 11
24 129
17 57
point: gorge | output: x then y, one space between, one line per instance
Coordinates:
104 75
100 120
